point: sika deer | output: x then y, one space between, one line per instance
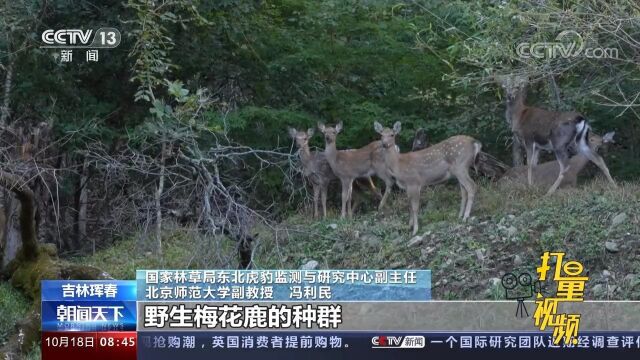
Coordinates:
435 164
315 168
549 130
546 173
349 165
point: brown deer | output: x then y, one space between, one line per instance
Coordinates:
435 164
546 173
486 164
556 131
349 165
315 168
420 140
318 171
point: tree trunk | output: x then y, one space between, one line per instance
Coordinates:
27 213
10 230
3 224
6 99
81 236
5 211
32 265
158 197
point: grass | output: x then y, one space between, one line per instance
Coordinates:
509 230
181 250
465 257
13 307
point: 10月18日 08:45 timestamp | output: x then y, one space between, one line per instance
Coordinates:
94 345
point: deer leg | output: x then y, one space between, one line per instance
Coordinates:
470 186
532 160
316 200
529 150
414 199
463 202
350 209
563 161
373 186
599 161
345 197
323 194
410 212
387 190
471 194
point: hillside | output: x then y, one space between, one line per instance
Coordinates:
510 228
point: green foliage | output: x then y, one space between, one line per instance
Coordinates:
152 64
180 250
263 126
13 307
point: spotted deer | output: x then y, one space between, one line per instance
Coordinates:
318 171
315 168
349 165
557 131
546 173
450 158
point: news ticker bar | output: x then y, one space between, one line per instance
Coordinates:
169 345
197 345
281 345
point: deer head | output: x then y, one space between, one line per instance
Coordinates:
301 138
330 133
388 136
513 85
605 139
419 140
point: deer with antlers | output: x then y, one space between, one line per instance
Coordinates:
546 173
557 131
349 165
449 158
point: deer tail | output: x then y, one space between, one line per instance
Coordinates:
477 147
489 166
582 134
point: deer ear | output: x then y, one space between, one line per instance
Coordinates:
321 127
339 127
608 137
292 132
396 127
377 127
310 132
